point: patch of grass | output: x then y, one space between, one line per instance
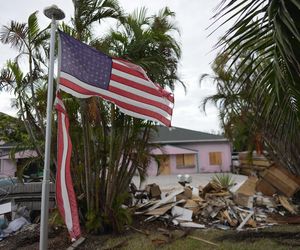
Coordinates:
275 238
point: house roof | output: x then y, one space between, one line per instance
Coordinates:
172 150
21 155
180 135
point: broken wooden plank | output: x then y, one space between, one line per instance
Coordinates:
245 221
265 188
286 204
192 225
205 241
282 180
232 222
243 200
244 195
160 211
139 231
76 243
167 199
248 187
192 205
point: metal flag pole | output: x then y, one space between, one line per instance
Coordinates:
54 13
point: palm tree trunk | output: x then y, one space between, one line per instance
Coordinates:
85 138
111 165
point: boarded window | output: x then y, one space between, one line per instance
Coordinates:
215 158
185 161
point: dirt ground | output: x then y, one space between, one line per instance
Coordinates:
158 235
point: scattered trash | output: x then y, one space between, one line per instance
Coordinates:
153 190
14 226
253 204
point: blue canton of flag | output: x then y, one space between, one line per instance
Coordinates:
84 62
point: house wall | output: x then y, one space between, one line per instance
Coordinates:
203 156
8 167
202 161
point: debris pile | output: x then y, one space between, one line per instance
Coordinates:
253 205
13 218
250 164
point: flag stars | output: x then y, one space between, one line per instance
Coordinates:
84 63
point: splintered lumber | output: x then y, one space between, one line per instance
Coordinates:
294 219
232 222
259 163
160 211
282 180
169 198
205 241
191 225
244 195
76 243
248 187
251 223
192 205
245 220
286 204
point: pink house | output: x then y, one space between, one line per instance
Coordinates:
8 166
184 151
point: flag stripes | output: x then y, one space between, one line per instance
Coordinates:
129 90
65 195
127 105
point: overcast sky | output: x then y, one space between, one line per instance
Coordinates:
193 17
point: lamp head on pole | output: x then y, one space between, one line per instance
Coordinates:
54 12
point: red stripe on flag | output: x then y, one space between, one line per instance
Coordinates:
135 85
60 144
140 99
128 70
153 91
132 108
67 207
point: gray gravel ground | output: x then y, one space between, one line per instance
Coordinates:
169 182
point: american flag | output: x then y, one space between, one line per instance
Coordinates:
65 195
85 72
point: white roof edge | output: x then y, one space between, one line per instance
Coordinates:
181 141
192 150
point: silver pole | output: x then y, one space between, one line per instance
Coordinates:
54 14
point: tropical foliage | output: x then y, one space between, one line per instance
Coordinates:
262 50
29 88
108 146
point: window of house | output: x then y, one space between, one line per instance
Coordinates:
215 158
185 161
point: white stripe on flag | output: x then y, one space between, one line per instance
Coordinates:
113 95
64 191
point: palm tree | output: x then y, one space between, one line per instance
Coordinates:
86 14
31 42
117 144
141 40
236 110
267 32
